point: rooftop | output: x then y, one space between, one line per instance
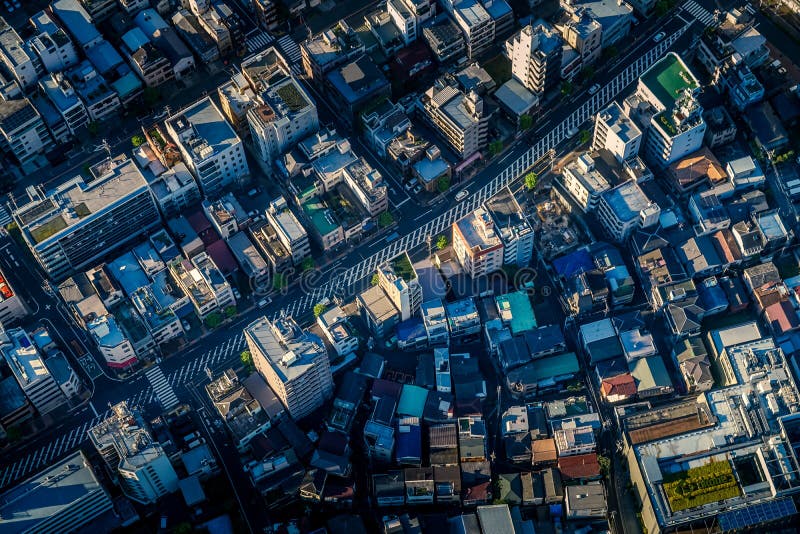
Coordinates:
668 78
289 350
477 230
627 200
619 123
203 130
22 357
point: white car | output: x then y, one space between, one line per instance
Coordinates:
572 131
462 195
593 89
659 36
186 325
263 303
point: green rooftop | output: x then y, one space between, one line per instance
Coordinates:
319 214
48 229
517 305
668 78
402 267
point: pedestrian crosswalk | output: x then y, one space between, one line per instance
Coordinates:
163 390
5 217
698 12
290 49
258 42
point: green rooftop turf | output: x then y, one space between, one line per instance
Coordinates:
667 79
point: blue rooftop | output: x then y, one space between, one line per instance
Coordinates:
135 39
573 263
412 401
128 273
76 20
410 330
11 398
498 9
409 442
127 84
711 296
358 80
104 57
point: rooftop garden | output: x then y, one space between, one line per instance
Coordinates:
701 485
402 268
292 97
48 229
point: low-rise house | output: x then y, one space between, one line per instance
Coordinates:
651 377
586 502
389 488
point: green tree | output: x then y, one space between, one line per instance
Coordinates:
441 242
138 140
213 320
585 136
605 464
230 311
93 128
319 309
279 281
247 361
525 121
531 179
495 147
443 184
375 280
385 219
307 265
566 88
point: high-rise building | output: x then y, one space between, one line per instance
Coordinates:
459 118
536 57
289 231
209 146
512 227
28 368
475 22
476 244
408 16
80 221
665 105
399 281
23 133
293 362
143 469
617 133
200 279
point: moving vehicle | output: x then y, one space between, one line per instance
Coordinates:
462 195
593 89
659 36
263 303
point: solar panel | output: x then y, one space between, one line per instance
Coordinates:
756 514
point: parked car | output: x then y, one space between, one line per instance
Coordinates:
186 325
263 303
236 294
462 195
593 89
417 189
659 36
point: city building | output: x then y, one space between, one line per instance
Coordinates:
161 321
77 22
409 15
354 86
100 99
476 24
62 95
209 146
12 307
512 226
289 231
144 471
536 53
435 320
188 26
445 40
203 283
476 245
166 39
23 133
150 63
23 64
613 17
52 44
624 208
64 497
337 331
584 34
252 264
283 113
174 188
666 105
379 313
29 370
79 222
293 362
325 51
398 279
64 375
584 182
114 346
615 132
460 119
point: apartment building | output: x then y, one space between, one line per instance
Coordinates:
28 368
476 24
338 332
613 18
283 112
399 281
111 341
332 48
289 231
355 86
624 208
408 16
445 40
55 49
46 507
368 186
12 307
294 363
77 223
476 244
188 26
150 63
459 118
665 105
584 182
166 39
161 321
97 95
77 22
584 34
209 146
252 263
201 280
62 95
616 132
174 189
144 471
513 228
536 53
23 133
17 57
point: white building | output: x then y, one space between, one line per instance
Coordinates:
408 16
293 362
626 207
27 366
144 470
201 280
64 375
459 118
476 244
475 22
23 64
284 113
399 281
615 132
513 228
52 44
584 182
23 133
209 146
536 54
115 347
290 232
337 331
62 94
435 320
